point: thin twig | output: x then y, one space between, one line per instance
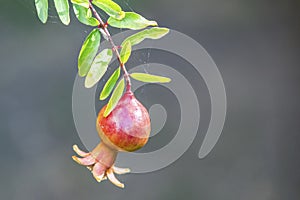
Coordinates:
103 26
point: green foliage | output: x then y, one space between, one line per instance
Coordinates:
152 33
94 67
98 68
115 97
42 10
88 52
110 84
110 7
132 21
84 15
84 3
125 52
149 78
62 8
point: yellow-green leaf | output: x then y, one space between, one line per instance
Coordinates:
115 97
98 68
88 52
111 8
42 9
62 8
149 78
152 33
125 52
132 21
110 84
84 3
84 15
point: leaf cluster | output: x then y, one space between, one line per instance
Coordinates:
93 65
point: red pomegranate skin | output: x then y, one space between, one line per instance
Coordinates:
127 127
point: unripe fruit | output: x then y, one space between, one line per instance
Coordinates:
126 128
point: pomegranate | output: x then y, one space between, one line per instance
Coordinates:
126 128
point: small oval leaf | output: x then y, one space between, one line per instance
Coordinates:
125 52
98 68
110 84
84 15
149 78
152 33
84 3
88 52
62 8
111 8
42 10
132 21
115 97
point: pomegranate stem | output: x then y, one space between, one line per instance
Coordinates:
103 26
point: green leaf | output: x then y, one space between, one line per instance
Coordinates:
88 52
62 8
148 78
98 68
152 33
42 10
110 7
110 84
84 15
132 21
115 97
125 52
84 3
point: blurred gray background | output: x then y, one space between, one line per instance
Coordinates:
254 43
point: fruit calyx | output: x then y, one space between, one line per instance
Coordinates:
100 162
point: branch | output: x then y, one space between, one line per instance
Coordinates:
103 26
